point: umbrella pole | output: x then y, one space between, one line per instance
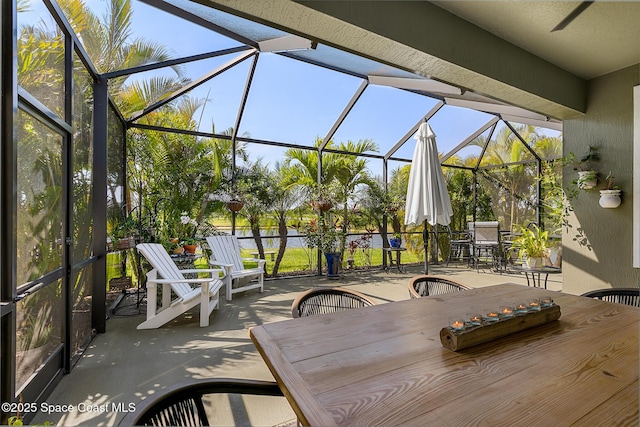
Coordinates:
425 238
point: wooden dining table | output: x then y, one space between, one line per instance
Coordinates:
386 366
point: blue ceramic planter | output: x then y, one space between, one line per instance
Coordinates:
395 242
333 264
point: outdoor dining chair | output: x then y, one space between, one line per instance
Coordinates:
182 404
627 296
485 240
424 286
327 300
459 245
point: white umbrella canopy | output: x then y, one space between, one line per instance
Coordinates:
427 195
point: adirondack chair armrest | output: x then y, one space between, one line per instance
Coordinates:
220 264
204 270
197 280
261 262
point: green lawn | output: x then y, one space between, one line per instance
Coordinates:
294 260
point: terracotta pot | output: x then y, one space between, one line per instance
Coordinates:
190 249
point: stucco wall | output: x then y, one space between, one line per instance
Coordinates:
597 245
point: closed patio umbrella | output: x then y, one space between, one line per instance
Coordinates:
427 196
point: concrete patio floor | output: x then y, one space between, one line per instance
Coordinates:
125 365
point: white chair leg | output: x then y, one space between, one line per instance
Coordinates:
204 305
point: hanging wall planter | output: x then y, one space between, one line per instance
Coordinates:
587 179
610 199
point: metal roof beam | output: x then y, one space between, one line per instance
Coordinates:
191 86
174 62
473 136
344 113
203 22
413 130
286 44
425 85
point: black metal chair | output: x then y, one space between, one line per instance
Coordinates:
627 296
424 286
327 300
182 404
459 246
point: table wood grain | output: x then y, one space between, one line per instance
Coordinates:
385 365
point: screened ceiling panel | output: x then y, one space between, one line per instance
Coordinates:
223 95
505 147
300 92
219 99
453 125
383 114
341 60
243 27
175 33
294 102
547 144
467 156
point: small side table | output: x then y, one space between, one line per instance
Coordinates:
540 271
271 253
398 262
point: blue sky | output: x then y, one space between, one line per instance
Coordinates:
291 101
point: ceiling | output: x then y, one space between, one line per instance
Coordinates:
605 37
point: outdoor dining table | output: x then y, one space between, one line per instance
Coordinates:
385 365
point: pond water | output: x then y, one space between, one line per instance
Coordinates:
293 241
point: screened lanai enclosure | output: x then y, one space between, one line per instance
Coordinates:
142 121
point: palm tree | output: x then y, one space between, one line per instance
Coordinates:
514 181
302 167
283 199
254 181
350 173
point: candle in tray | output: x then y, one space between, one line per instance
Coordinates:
534 305
457 324
506 311
546 302
492 316
475 319
522 309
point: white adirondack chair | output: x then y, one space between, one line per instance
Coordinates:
205 291
225 253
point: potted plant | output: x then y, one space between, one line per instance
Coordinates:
396 240
610 197
328 239
188 228
190 245
352 246
123 234
235 204
587 177
532 245
322 200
